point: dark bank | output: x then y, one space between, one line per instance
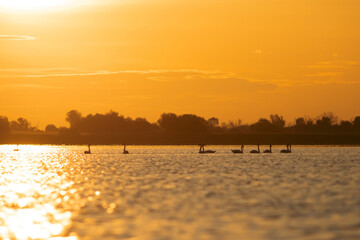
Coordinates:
186 129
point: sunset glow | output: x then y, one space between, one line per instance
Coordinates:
229 59
31 4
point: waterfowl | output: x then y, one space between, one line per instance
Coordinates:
16 149
202 150
268 150
89 151
287 150
125 151
256 151
239 151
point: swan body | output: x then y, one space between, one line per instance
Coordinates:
89 151
202 150
208 151
239 151
256 151
287 150
268 150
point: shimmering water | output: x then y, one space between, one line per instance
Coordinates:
57 192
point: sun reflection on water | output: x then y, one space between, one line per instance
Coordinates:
31 188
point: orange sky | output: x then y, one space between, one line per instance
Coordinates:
232 59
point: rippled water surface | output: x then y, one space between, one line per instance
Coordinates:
57 192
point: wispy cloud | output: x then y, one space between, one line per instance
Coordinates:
332 64
182 76
330 71
28 85
213 79
324 74
193 73
17 37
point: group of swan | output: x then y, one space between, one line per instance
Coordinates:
287 150
89 151
202 150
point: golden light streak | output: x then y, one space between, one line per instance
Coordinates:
30 190
27 5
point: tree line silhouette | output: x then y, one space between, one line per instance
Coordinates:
112 122
186 126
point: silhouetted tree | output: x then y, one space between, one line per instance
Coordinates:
327 120
51 128
168 121
333 118
232 124
262 125
277 121
323 123
109 123
183 123
346 125
74 118
300 123
356 123
4 125
304 124
213 122
22 125
310 123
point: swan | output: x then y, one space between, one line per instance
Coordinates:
125 151
268 150
287 150
89 151
256 151
202 150
16 149
239 151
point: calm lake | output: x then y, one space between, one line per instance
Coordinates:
170 192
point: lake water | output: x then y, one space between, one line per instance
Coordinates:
167 192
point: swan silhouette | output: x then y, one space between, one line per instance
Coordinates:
268 150
287 150
202 150
125 151
17 148
89 151
239 151
256 151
